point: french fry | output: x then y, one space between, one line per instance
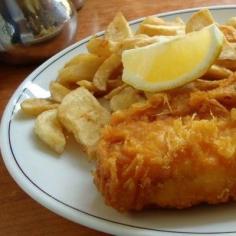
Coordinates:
228 64
153 20
81 114
115 91
229 32
199 20
118 29
58 91
114 83
49 130
232 22
125 98
82 67
139 40
88 85
157 26
227 56
81 58
233 114
105 71
228 51
35 106
168 30
216 72
99 47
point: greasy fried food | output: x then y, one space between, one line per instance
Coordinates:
81 67
227 56
172 151
228 52
156 26
217 72
168 30
168 162
105 71
99 46
199 20
229 32
139 40
174 148
118 29
88 85
35 106
82 115
232 22
125 98
49 130
58 91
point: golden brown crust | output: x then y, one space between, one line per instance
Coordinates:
168 153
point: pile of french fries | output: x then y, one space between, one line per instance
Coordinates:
90 87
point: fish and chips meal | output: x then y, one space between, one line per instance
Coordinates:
155 108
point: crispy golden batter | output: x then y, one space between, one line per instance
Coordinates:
177 150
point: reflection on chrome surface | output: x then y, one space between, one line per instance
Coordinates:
24 23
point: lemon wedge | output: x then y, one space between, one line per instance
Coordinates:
173 63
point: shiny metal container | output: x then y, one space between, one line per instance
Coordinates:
33 30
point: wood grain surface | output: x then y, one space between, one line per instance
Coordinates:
19 214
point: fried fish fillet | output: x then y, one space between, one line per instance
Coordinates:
175 151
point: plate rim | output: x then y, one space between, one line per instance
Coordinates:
44 198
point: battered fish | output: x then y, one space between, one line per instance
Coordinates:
175 151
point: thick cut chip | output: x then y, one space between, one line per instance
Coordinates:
233 114
118 47
115 91
82 58
153 20
139 40
199 20
125 98
229 64
216 72
168 30
35 106
118 29
81 114
228 51
232 22
105 71
58 91
229 32
114 83
99 47
88 85
227 56
49 130
156 26
82 67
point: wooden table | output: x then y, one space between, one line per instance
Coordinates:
19 214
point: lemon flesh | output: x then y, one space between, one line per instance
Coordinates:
170 64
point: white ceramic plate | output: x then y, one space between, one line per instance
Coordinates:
64 184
